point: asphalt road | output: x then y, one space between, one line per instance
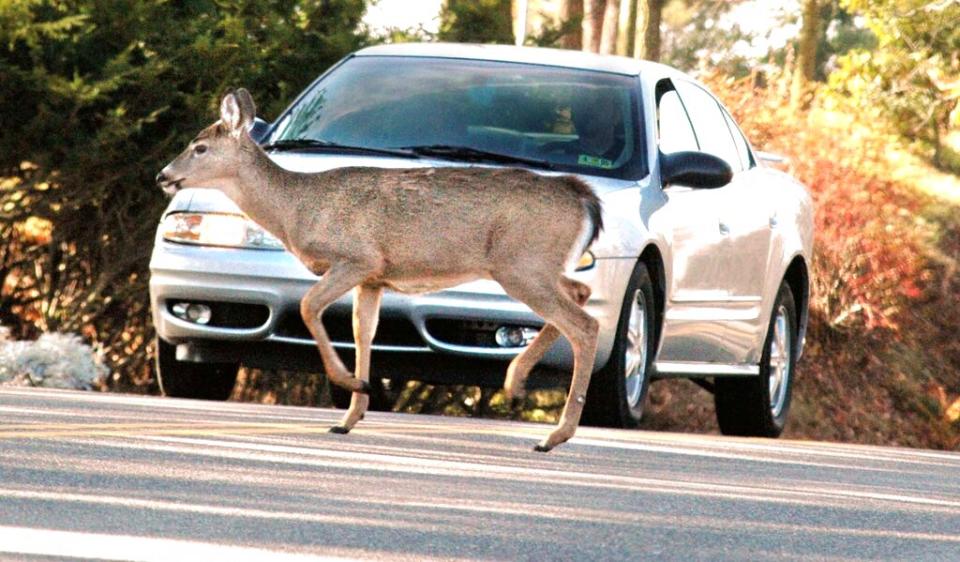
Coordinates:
91 475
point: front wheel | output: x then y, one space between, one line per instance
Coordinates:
758 406
618 391
184 379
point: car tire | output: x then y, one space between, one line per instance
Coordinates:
617 392
381 398
758 406
184 379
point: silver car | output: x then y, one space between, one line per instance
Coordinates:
694 276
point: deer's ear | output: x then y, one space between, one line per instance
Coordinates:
247 108
230 113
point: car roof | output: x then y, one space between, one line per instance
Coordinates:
526 55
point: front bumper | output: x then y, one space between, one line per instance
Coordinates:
421 335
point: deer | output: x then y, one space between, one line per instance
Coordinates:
412 230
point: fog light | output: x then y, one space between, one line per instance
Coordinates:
192 312
515 336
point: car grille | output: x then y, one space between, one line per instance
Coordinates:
390 331
470 333
230 314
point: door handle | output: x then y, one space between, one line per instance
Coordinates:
724 228
774 221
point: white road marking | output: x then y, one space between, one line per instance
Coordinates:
48 542
440 467
203 509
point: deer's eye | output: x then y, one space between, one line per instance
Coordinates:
200 148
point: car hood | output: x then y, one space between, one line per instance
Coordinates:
212 200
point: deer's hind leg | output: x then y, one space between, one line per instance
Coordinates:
515 384
557 303
366 314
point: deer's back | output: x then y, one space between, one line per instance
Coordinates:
448 221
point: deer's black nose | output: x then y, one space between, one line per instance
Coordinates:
161 178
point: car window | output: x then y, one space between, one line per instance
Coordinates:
713 134
577 120
743 149
673 126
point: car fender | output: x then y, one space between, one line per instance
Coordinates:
792 238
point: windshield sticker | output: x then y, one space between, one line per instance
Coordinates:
594 161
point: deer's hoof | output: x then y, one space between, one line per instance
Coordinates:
517 403
541 448
340 430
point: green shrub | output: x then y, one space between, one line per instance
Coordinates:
95 97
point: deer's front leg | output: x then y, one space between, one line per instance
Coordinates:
366 313
334 284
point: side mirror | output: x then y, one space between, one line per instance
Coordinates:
694 169
259 129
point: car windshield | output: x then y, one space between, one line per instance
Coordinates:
475 111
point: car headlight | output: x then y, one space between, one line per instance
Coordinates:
212 229
587 261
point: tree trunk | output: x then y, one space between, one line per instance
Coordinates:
592 24
626 27
569 10
611 22
649 14
519 11
806 67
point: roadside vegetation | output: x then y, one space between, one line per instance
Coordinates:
53 361
862 104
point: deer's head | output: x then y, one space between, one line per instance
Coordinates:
213 158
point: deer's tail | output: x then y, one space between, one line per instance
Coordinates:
591 204
592 220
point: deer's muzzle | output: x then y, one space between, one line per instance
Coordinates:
168 185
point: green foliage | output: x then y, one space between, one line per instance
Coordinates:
913 74
476 21
700 34
553 34
697 36
95 96
841 34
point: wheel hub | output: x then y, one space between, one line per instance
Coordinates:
779 367
635 356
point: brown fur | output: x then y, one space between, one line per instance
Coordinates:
413 230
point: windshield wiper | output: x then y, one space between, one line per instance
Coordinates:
316 144
469 154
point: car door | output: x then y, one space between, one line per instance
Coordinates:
689 221
744 220
751 212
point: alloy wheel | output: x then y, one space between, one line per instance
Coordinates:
779 361
635 355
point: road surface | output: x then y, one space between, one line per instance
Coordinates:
90 475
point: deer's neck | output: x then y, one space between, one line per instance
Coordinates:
267 193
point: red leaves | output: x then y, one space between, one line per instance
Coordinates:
869 252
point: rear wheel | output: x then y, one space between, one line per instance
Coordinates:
618 391
758 406
184 379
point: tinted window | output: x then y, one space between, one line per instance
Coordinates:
709 124
674 129
580 121
743 149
